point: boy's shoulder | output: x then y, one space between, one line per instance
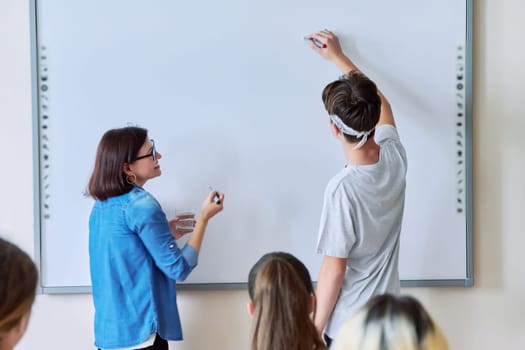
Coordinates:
386 132
341 182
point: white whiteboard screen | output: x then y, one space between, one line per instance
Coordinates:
231 94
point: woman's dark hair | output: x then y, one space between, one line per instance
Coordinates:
18 281
280 289
116 148
354 99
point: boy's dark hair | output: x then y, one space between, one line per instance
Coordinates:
117 147
354 99
18 280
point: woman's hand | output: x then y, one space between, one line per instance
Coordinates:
208 210
182 225
209 207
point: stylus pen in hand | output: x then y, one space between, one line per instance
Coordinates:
216 198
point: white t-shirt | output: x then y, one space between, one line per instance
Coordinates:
361 221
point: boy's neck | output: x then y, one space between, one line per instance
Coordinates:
366 155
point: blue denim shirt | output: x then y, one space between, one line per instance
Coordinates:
134 261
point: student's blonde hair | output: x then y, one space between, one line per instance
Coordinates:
388 322
280 289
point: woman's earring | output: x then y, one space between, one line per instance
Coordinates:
131 179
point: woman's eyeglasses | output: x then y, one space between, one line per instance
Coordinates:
152 153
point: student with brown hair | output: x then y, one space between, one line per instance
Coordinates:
390 322
18 281
282 300
134 258
359 231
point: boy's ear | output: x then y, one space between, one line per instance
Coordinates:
250 307
335 130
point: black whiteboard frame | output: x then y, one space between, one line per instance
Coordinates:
37 183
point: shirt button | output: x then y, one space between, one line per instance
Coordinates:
172 245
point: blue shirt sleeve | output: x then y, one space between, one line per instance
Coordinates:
145 217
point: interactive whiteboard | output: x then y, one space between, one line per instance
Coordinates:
231 94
